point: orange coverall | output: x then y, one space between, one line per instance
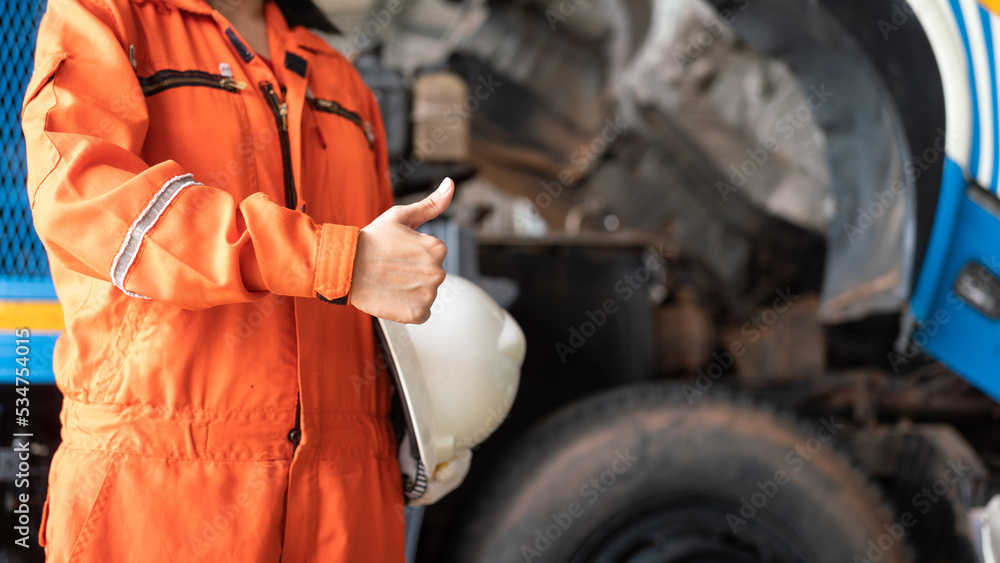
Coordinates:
198 209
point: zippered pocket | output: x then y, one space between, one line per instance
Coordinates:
330 106
167 79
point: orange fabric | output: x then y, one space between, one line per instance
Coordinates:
194 331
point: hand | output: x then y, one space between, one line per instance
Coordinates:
397 270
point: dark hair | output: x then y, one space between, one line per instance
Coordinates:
306 14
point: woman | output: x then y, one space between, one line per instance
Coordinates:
212 191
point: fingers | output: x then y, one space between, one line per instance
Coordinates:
435 248
418 213
397 270
411 306
420 310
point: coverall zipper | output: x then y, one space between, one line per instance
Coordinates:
167 79
280 110
330 106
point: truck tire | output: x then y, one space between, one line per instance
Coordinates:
643 474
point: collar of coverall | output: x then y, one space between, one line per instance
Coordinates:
300 35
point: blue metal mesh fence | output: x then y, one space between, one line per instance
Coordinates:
22 257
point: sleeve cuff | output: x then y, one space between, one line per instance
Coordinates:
336 250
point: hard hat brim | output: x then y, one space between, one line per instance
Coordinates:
406 371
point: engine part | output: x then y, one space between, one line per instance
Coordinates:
782 342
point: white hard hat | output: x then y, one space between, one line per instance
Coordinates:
457 375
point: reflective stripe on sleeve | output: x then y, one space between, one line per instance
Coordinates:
137 232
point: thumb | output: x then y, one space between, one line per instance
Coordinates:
416 214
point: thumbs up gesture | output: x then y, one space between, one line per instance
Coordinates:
396 269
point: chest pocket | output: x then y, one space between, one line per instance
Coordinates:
345 165
332 107
199 119
167 79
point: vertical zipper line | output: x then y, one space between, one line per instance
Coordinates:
298 419
280 110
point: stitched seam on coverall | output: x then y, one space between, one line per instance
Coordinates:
125 338
334 454
230 412
45 129
95 512
316 257
83 304
157 407
141 226
194 413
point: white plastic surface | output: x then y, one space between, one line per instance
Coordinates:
459 371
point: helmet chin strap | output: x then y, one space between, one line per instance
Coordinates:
414 472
